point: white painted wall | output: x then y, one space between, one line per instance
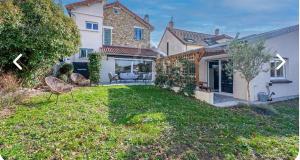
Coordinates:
175 46
88 38
287 45
107 66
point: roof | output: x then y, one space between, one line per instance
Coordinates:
81 3
129 51
195 38
137 17
271 34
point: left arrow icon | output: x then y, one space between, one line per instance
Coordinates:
15 61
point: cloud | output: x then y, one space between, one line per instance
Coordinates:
257 5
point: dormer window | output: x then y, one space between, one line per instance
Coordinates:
116 10
189 40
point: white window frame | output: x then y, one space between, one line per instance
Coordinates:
142 34
276 60
103 36
131 68
86 54
92 29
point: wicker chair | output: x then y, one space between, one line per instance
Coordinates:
79 79
58 87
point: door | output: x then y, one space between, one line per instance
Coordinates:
81 68
226 80
213 75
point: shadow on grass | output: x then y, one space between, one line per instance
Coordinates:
173 126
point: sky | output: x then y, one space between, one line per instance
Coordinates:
230 16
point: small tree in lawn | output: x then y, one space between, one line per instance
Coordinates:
247 59
94 67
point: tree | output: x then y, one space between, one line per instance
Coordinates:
248 60
40 31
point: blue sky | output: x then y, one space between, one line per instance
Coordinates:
230 16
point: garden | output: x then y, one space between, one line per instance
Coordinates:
118 122
145 122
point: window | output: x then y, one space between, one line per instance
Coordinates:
84 52
116 10
167 48
138 33
107 36
91 26
133 66
280 73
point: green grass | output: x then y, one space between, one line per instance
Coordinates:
144 122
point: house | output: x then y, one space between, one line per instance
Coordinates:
284 82
176 41
117 32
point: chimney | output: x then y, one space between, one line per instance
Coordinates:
237 35
146 18
171 23
217 31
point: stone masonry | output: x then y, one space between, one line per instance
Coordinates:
123 29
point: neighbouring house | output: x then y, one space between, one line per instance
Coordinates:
176 41
284 82
117 32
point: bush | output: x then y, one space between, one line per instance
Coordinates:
66 69
40 31
9 93
179 75
94 67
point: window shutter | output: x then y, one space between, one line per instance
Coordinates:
107 36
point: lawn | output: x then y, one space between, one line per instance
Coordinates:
145 122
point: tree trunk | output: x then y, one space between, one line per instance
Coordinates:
248 91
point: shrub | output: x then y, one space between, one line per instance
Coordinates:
94 67
66 69
8 83
9 93
40 31
181 74
160 80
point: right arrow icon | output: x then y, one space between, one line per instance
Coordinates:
282 62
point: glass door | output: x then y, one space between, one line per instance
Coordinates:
213 75
226 80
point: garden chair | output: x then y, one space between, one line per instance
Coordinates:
58 87
204 86
113 78
147 77
79 79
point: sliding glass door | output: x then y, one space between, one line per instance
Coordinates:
218 79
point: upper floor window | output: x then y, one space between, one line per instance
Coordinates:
107 35
116 10
138 33
91 25
84 52
280 73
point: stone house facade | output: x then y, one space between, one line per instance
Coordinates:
119 34
122 23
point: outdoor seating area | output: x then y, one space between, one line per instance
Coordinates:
130 78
